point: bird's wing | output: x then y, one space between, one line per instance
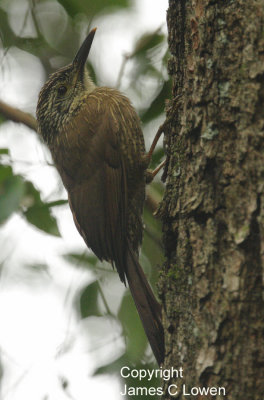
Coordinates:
98 199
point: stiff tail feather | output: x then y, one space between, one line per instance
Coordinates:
147 306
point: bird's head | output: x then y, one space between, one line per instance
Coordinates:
61 94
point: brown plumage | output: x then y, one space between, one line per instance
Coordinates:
96 142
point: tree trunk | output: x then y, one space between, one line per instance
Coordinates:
213 209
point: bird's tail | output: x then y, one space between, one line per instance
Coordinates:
147 306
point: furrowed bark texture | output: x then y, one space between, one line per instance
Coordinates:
213 210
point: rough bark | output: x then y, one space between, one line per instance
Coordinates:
213 210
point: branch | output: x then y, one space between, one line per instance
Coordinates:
16 115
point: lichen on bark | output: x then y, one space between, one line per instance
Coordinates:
213 209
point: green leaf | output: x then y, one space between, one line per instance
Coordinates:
56 203
84 259
4 151
158 104
144 56
11 192
2 118
37 212
5 173
146 42
92 7
6 34
37 268
16 194
40 217
89 300
136 340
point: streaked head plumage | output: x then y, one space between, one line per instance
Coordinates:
59 96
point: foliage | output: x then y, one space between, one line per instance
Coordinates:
20 195
92 8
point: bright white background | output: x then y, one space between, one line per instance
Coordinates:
42 342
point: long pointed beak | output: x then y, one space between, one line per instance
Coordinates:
81 57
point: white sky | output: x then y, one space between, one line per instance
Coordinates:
41 338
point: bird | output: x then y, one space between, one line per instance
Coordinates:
95 138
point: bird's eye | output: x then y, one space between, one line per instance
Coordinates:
62 90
